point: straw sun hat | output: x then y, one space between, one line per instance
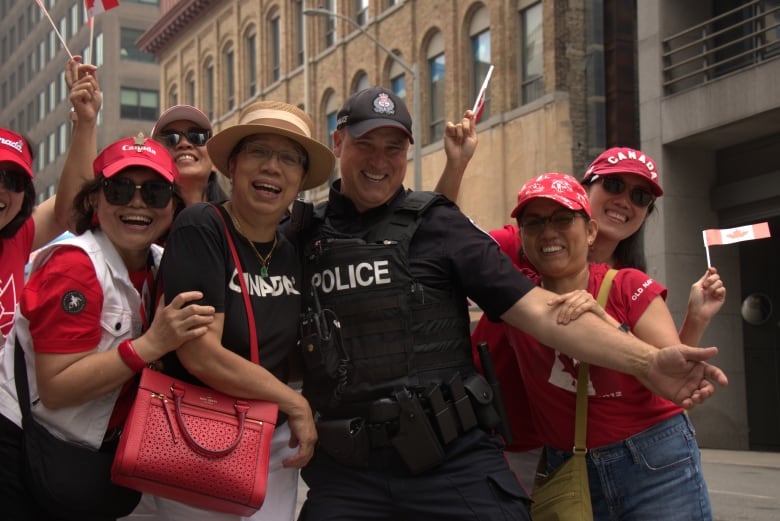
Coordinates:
282 119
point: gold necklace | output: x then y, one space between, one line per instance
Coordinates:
264 260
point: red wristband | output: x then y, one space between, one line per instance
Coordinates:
129 356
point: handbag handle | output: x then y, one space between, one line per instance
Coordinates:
250 316
241 409
581 416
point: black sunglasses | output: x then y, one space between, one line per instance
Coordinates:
13 180
639 196
196 136
119 192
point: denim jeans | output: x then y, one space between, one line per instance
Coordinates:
653 475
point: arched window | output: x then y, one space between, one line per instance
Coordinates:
360 82
189 89
208 89
173 95
435 60
398 80
228 74
479 34
250 62
330 110
274 47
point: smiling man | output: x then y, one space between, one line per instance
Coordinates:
405 422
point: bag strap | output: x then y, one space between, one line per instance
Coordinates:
581 420
250 316
22 385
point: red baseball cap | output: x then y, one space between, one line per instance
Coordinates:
138 151
561 188
624 160
14 149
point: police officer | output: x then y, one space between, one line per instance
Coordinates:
404 420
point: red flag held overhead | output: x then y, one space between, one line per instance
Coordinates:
99 6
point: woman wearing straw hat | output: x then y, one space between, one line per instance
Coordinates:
268 158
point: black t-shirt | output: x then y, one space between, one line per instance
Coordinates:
447 251
197 257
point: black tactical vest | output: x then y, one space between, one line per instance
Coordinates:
393 331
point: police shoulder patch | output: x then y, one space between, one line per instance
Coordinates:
74 302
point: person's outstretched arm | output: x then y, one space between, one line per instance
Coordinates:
676 372
460 142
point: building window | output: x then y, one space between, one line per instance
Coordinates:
63 139
173 96
98 50
298 37
531 53
41 105
360 82
41 156
52 96
331 110
229 78
52 148
139 104
436 88
74 18
189 90
398 80
128 49
330 25
479 31
361 12
63 87
208 90
250 41
275 46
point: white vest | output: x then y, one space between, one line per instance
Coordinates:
120 319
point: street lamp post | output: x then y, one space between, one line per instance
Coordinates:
412 69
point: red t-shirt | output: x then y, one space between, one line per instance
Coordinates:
512 389
14 252
619 406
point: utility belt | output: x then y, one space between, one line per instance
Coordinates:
418 423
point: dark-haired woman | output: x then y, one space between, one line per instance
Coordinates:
81 320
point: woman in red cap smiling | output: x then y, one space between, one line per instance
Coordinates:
622 185
81 322
643 460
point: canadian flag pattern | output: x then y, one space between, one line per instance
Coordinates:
99 6
739 234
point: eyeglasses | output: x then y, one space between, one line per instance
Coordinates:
119 192
639 196
13 180
196 136
560 222
261 153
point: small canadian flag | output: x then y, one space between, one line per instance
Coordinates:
739 234
99 6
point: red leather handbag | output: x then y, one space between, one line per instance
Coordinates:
197 445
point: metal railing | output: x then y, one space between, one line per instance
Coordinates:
739 38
